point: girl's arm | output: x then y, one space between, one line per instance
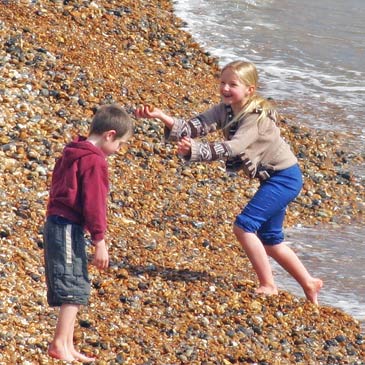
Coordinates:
208 151
147 111
194 151
177 128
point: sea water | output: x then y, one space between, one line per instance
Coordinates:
310 57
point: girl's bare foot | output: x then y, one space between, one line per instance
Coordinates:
60 354
267 290
311 292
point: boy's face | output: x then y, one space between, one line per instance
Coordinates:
110 144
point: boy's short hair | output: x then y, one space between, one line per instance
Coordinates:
111 117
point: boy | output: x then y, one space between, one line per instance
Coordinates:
77 201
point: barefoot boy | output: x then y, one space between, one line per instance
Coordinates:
77 201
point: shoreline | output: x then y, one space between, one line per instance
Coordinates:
179 289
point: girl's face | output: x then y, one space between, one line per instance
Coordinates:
233 91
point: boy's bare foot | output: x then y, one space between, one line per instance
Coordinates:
267 290
311 292
81 357
59 354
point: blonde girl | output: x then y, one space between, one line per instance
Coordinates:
252 144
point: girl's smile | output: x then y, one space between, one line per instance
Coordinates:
233 91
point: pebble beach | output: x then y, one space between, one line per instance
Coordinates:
179 289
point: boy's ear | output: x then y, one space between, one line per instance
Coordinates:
110 135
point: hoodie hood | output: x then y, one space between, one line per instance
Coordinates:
79 148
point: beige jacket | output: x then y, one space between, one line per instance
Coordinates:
258 145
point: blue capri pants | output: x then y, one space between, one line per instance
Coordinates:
265 212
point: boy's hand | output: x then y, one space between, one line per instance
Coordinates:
184 146
101 255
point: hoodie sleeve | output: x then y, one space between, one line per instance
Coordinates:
94 195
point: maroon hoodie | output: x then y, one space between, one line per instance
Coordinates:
80 187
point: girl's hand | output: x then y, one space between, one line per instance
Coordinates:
184 146
147 111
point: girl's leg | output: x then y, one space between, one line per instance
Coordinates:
264 216
256 253
287 258
59 348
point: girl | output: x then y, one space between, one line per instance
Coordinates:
252 143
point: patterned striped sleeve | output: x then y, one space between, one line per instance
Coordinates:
209 151
192 129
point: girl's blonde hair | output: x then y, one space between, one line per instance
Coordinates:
247 73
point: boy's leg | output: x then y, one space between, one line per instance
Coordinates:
62 346
59 348
77 355
68 284
287 258
256 253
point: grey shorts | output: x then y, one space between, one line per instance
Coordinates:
65 264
